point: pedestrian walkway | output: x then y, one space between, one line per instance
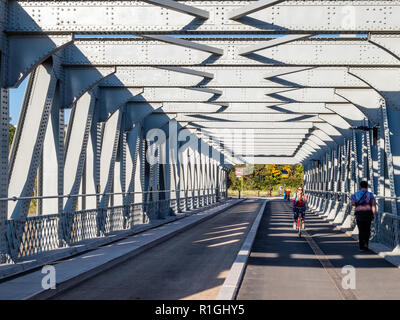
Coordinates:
284 266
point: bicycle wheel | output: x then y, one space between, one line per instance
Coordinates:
299 225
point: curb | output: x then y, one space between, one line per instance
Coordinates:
232 283
73 281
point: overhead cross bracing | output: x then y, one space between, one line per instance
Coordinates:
311 82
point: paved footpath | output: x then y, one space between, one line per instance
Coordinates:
191 265
284 266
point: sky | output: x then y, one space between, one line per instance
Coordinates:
16 98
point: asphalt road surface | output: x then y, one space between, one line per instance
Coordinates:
191 265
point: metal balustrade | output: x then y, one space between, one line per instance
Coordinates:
385 227
39 234
388 227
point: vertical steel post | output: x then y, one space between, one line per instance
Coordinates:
4 145
28 144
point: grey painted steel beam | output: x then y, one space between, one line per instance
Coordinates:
221 76
52 164
78 81
337 121
269 160
4 167
260 138
112 99
29 138
133 17
322 95
232 117
134 52
349 112
91 177
273 43
275 144
270 131
245 95
214 92
249 125
387 82
335 77
25 53
180 7
76 144
170 76
246 108
251 8
367 101
189 71
111 136
186 44
137 111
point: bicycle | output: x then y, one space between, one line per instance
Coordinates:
299 221
300 225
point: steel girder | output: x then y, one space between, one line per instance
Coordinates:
30 138
125 52
231 76
202 16
215 92
278 80
272 86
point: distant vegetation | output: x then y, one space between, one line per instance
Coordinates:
264 176
11 134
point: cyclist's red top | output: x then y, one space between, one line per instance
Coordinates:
299 203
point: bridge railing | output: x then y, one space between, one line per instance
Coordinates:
388 230
44 233
385 227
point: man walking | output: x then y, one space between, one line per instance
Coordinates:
365 204
287 193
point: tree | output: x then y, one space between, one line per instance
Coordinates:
268 175
11 134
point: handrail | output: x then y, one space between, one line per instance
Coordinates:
349 194
96 194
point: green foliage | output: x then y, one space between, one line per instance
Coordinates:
11 133
268 175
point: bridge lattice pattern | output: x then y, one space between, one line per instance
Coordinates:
197 86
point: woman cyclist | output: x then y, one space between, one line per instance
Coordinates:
299 206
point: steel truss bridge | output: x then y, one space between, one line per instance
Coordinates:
246 82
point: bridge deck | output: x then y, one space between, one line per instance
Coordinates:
191 265
284 266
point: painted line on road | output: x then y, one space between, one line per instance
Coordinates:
390 255
347 294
